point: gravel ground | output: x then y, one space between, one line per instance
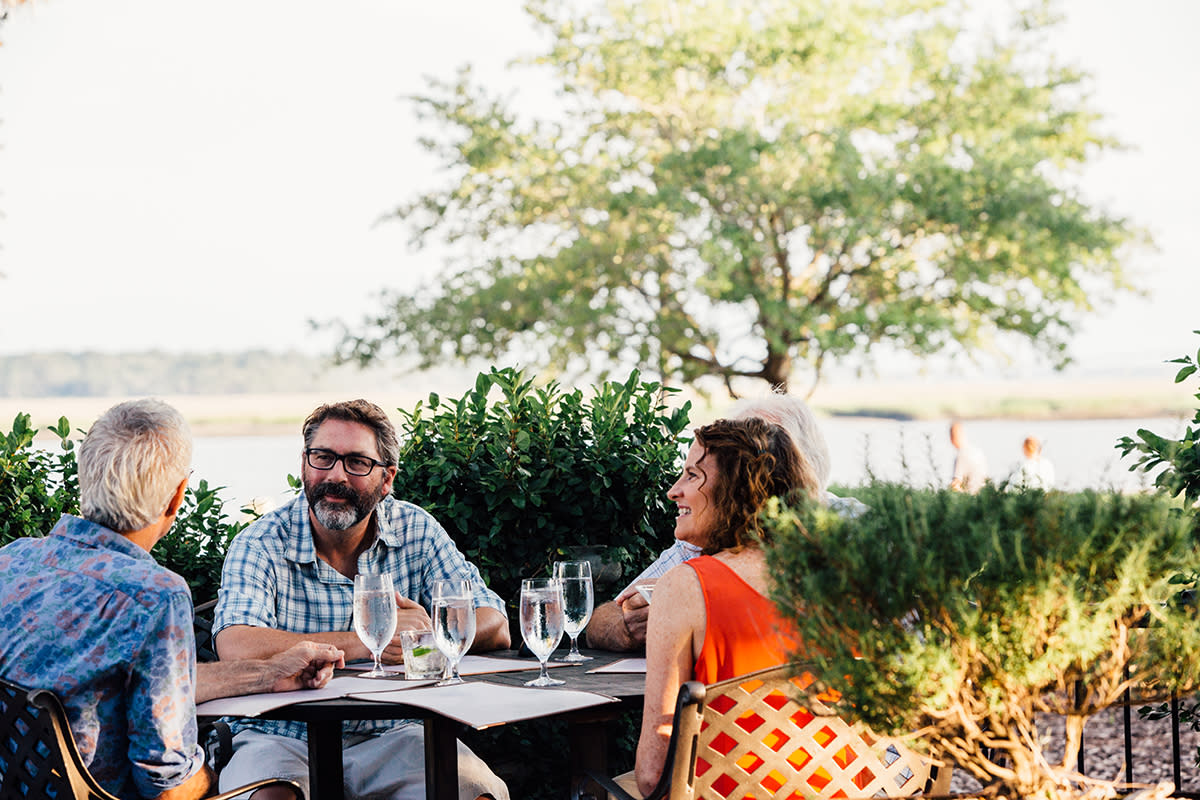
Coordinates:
1104 751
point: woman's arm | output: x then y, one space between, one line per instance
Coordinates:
674 635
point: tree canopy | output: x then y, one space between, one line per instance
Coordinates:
756 187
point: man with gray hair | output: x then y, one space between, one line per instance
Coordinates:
620 624
90 615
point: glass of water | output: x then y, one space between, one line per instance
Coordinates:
453 624
576 579
542 622
374 616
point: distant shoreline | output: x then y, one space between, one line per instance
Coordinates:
283 414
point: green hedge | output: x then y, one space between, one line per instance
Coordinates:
966 615
520 475
39 484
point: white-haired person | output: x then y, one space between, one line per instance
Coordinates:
90 615
620 624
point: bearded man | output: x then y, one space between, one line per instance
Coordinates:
290 577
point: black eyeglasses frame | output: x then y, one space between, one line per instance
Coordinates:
308 454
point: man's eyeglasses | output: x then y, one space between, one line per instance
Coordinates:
353 464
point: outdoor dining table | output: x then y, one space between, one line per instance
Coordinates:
587 727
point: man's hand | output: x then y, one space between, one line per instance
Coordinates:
307 665
635 613
410 616
620 624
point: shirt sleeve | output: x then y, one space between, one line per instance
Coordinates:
448 562
673 556
161 714
248 586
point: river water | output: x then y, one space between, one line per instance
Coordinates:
255 468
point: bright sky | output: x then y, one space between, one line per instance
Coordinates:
208 176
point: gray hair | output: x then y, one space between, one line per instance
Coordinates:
795 417
131 463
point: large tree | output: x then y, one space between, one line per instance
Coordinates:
749 187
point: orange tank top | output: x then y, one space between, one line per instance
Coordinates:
744 631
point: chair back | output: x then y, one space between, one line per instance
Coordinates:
38 756
751 737
202 627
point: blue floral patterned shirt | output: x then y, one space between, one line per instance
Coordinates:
272 578
90 615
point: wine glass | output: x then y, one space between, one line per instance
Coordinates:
374 616
576 579
453 624
542 622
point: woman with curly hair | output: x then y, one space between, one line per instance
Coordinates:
711 618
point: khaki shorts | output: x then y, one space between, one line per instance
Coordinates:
386 767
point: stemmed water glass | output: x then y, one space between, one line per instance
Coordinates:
542 622
576 579
453 624
374 616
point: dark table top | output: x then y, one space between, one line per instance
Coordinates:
625 687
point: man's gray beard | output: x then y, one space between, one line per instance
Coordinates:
336 518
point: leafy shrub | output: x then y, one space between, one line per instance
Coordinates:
519 475
39 485
522 476
965 615
1180 458
195 548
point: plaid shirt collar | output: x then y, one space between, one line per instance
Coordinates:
302 549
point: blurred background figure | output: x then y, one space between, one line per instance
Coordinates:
1035 471
970 467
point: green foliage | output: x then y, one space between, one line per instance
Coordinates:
195 547
1179 459
741 188
39 485
521 476
966 615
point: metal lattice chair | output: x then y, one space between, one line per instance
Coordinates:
215 735
749 737
202 626
39 758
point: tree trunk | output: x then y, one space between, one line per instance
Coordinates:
776 369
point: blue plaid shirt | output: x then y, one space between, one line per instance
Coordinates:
681 551
91 616
272 578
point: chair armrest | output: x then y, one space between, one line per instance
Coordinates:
250 787
217 740
610 786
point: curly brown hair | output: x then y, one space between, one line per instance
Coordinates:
754 461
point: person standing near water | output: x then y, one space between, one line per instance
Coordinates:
1035 471
970 467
